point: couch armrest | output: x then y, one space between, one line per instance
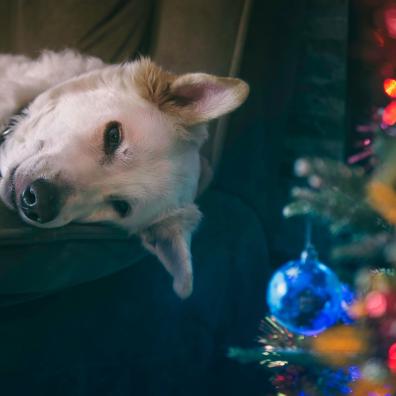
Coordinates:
39 261
13 231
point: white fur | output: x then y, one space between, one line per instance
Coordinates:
22 78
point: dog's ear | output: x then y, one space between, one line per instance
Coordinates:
199 97
192 98
169 239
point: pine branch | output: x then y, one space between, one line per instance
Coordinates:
336 193
245 356
366 248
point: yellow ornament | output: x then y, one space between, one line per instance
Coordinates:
339 345
382 198
365 387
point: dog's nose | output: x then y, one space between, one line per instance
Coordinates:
40 201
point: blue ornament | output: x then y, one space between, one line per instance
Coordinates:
305 296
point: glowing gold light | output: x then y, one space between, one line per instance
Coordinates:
390 87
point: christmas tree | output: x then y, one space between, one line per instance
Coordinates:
332 328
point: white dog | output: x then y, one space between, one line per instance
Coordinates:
89 142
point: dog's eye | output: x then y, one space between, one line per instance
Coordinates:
121 207
112 137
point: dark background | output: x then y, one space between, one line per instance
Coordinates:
296 61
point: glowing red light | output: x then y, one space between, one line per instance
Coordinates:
389 114
390 21
390 87
366 142
392 357
375 304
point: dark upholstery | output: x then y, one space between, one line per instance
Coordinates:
129 334
112 30
36 261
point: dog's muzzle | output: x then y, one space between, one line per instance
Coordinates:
40 201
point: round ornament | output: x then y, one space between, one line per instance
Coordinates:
305 296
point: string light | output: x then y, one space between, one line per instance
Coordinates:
392 358
390 87
390 21
389 114
375 304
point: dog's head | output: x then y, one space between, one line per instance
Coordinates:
120 145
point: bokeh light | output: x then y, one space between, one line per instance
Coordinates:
340 344
375 304
389 114
392 358
390 20
390 87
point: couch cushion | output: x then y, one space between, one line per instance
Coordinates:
129 333
195 36
35 261
14 231
112 30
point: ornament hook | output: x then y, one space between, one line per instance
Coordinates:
309 253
